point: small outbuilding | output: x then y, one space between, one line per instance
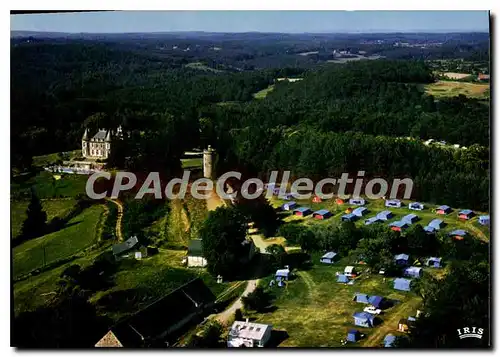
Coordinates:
123 249
282 274
288 206
416 206
413 272
360 211
349 217
389 340
376 301
402 284
393 203
322 214
410 218
402 259
363 319
372 220
398 226
436 223
350 270
433 262
385 215
362 298
329 258
484 220
429 229
302 211
353 335
465 214
357 201
444 209
248 334
342 279
458 234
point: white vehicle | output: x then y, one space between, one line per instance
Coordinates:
372 310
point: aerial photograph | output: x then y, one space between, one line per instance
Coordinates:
250 179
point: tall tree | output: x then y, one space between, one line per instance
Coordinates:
35 223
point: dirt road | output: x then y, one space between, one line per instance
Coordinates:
118 227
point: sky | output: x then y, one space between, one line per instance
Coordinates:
260 21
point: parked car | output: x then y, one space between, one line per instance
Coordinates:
372 310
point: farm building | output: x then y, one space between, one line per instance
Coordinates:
353 335
363 319
349 217
416 206
357 201
195 254
349 270
322 214
484 220
329 258
385 215
362 298
402 259
393 203
433 262
360 211
156 324
402 284
389 340
302 211
410 218
376 301
342 279
372 220
483 77
398 226
317 199
465 214
288 206
413 272
339 201
248 334
443 209
282 274
458 234
437 224
122 250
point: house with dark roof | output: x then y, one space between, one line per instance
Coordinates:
322 214
195 256
302 211
357 201
484 220
465 214
158 324
444 209
360 211
385 215
122 250
416 206
349 217
398 226
364 319
393 203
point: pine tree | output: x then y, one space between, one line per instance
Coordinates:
36 219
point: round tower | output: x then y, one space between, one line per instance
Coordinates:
208 161
85 139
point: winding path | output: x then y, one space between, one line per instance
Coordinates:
118 228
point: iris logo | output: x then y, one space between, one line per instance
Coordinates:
469 332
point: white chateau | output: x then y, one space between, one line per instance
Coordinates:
99 146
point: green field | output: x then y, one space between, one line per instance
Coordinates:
453 89
317 311
46 187
78 234
192 163
44 160
53 208
264 92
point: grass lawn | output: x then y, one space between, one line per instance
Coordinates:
317 311
53 208
44 160
46 187
264 92
452 89
79 233
192 163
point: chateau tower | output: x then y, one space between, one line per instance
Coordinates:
208 162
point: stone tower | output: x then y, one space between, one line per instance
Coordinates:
208 162
85 142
